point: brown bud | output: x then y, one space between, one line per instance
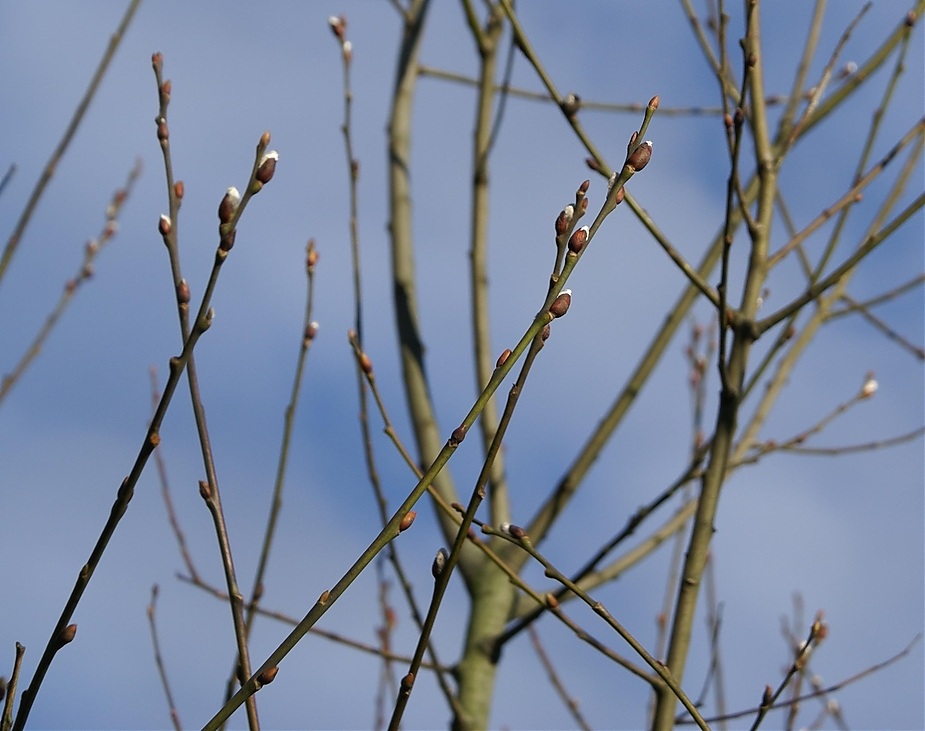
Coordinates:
407 682
561 304
163 133
727 120
311 255
183 293
267 167
165 89
164 225
205 491
631 145
228 205
640 157
66 635
157 59
268 676
325 595
654 102
459 433
265 139
910 18
767 696
311 330
516 532
618 198
578 240
571 104
178 189
546 331
551 601
593 165
366 364
502 359
564 219
406 521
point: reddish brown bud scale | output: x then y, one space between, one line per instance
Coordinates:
640 157
268 676
578 240
323 599
163 133
183 293
166 88
502 359
164 225
267 167
654 102
459 433
551 601
593 164
205 492
311 330
515 531
228 205
366 364
265 139
406 521
561 304
910 18
620 195
583 188
179 189
157 59
66 635
546 332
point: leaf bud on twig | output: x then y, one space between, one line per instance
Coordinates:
640 157
561 304
338 26
571 104
406 521
578 240
311 330
66 636
268 676
564 219
183 293
436 568
228 205
178 189
870 386
459 433
502 359
164 225
267 167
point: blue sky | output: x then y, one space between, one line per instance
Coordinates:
846 533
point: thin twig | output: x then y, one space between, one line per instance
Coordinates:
84 272
159 661
49 170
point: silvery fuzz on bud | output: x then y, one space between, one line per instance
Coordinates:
436 567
